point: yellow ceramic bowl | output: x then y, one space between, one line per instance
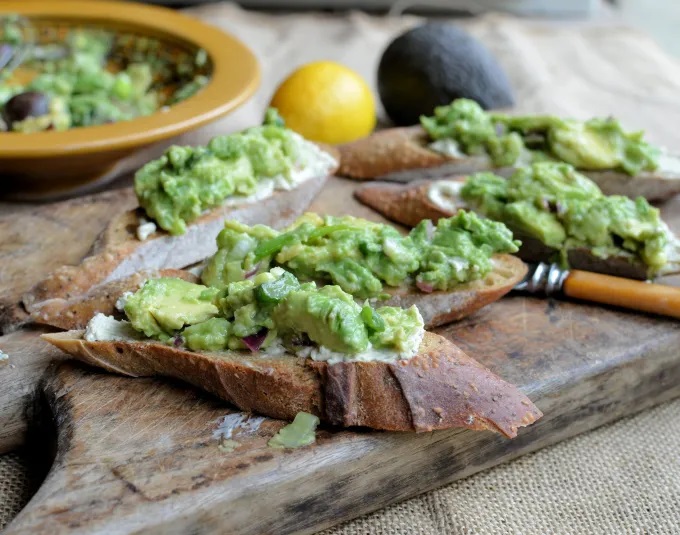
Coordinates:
50 164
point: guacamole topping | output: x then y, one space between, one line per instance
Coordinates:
464 128
272 312
91 77
360 256
555 204
179 186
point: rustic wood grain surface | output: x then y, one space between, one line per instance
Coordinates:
145 454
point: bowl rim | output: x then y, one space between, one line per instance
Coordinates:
226 90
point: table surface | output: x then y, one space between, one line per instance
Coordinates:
624 477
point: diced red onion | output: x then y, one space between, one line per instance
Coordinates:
252 272
178 341
255 341
425 287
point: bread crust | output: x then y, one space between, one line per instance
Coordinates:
442 307
401 154
440 388
118 253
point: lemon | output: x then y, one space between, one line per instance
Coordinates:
326 102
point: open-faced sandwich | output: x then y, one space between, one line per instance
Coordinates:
462 138
449 270
557 213
276 346
266 174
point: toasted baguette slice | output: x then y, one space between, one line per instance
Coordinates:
440 388
441 307
75 312
402 155
409 204
118 253
436 308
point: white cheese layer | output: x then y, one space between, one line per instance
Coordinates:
103 328
145 229
408 350
445 195
669 165
312 163
447 147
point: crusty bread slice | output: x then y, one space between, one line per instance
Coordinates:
436 308
401 155
442 307
118 253
75 312
409 204
439 388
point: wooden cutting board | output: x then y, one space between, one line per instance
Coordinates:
145 455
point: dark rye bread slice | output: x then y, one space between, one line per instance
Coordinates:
442 307
409 204
118 253
439 388
401 155
75 312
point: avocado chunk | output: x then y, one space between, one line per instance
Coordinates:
328 316
433 64
163 306
209 335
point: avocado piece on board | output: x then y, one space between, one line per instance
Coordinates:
433 64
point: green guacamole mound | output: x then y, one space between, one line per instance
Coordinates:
271 311
85 87
179 186
360 256
563 209
596 144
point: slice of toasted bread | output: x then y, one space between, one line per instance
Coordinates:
402 155
409 204
439 388
74 313
656 185
441 307
118 253
436 308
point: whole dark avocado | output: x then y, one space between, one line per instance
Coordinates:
433 64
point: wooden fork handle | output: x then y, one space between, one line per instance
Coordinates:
626 293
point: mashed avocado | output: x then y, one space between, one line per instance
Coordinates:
165 305
563 209
361 256
179 186
272 311
91 77
507 140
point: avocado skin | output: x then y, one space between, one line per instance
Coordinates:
433 64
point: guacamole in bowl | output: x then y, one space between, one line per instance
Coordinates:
77 77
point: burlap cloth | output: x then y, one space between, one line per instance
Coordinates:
622 478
